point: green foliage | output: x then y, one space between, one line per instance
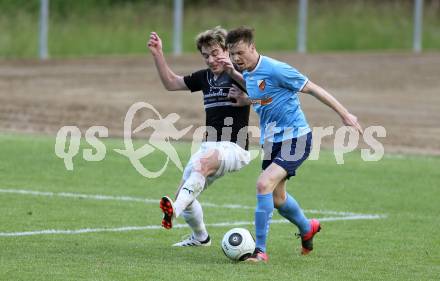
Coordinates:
100 27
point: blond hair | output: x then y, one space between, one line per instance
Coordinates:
212 37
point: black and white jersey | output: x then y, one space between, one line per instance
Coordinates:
220 114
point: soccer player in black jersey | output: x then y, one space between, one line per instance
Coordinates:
225 146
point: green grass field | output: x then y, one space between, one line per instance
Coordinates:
404 245
90 28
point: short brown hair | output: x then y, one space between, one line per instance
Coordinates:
211 37
242 33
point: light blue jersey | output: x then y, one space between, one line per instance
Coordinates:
272 87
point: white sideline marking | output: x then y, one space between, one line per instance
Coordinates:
78 195
146 200
154 227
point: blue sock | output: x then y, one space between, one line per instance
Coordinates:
293 212
263 215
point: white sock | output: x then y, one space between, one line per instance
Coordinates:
192 187
193 215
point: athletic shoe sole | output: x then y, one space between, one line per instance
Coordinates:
166 204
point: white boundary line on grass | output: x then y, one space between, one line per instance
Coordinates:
156 227
78 195
341 216
149 201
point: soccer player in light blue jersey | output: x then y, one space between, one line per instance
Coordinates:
273 89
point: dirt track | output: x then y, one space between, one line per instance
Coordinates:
398 91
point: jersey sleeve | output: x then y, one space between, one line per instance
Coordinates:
194 80
289 78
239 86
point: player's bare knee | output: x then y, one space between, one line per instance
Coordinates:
201 169
208 163
205 168
263 186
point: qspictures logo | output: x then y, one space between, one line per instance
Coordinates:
164 131
68 141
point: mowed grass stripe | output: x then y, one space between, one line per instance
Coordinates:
401 247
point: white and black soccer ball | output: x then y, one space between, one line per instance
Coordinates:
238 244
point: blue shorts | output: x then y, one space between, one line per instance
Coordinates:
289 154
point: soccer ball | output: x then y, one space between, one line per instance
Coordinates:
238 244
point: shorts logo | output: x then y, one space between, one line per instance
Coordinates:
261 85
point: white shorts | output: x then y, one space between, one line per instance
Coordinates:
232 158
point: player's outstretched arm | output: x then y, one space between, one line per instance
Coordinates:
322 95
170 80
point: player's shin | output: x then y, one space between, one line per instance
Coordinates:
192 187
293 212
193 215
263 216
